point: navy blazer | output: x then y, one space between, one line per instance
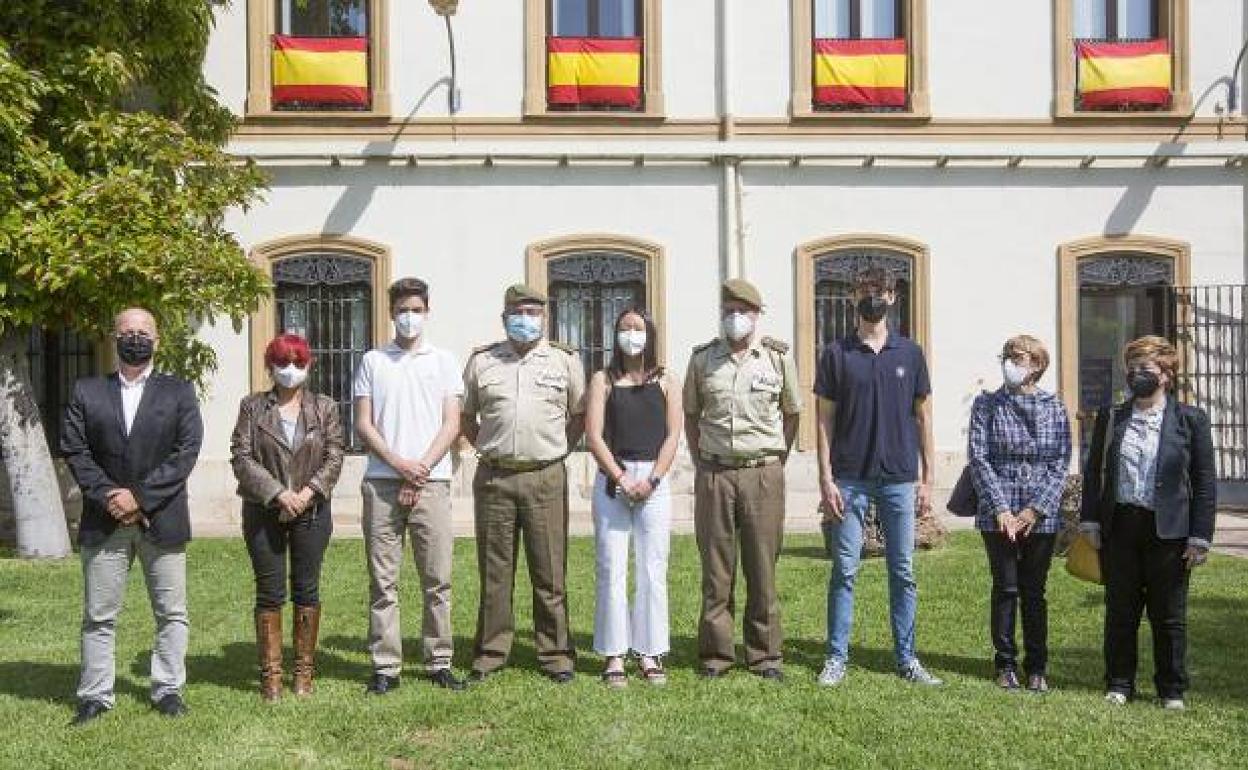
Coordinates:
1185 497
153 462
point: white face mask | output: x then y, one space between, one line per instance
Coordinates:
631 341
1014 374
289 376
737 326
409 324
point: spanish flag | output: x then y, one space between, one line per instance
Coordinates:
860 73
320 70
587 71
1115 75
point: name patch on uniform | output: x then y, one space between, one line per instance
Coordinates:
552 379
769 382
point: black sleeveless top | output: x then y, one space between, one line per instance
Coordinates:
635 426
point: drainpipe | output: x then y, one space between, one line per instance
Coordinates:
731 235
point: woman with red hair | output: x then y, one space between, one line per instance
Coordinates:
287 452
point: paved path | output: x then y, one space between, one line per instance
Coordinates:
1231 535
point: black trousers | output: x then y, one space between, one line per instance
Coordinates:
268 542
1144 572
1020 570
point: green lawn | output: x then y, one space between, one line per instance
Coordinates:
520 720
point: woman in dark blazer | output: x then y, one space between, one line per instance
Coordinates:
1149 504
287 452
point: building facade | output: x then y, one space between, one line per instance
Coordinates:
1065 168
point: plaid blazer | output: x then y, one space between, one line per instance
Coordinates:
1019 454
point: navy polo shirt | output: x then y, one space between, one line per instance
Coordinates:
876 435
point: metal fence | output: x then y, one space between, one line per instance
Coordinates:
1211 330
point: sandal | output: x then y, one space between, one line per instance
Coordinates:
615 679
655 674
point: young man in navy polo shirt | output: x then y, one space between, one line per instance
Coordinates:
874 432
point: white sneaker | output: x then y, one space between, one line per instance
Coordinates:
1115 698
1173 704
833 673
916 674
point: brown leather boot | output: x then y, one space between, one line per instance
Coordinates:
307 625
269 648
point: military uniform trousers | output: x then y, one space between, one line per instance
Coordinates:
511 506
745 505
386 525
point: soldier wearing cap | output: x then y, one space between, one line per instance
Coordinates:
523 411
741 403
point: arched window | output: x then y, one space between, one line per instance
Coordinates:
1113 291
325 290
825 273
590 280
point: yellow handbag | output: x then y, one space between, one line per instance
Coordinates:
1083 561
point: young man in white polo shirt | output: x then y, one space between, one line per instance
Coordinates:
407 406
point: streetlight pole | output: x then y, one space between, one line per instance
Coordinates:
446 9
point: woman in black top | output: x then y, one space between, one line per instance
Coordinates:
633 422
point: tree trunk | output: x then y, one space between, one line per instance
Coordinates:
38 510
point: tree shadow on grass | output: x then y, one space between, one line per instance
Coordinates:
56 682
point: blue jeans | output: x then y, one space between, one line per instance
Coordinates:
895 507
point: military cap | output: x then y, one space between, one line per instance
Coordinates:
742 290
523 292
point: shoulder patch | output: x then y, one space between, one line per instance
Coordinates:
775 344
484 348
566 348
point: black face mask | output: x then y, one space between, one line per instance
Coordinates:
873 309
135 349
1143 383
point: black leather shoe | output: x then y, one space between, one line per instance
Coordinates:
477 676
88 710
560 677
381 684
445 679
172 705
771 675
712 673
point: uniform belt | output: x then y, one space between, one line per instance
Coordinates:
739 461
517 466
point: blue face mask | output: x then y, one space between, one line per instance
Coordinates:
524 328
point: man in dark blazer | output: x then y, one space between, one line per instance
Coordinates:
131 439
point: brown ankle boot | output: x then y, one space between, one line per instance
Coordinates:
269 648
307 625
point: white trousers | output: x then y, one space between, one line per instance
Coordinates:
644 630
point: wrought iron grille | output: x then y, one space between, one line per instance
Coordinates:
327 298
1212 333
835 314
587 291
57 359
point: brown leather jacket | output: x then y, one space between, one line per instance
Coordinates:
264 463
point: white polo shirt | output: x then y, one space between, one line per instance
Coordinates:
408 391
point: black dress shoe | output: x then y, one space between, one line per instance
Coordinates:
445 679
771 674
381 684
172 705
560 677
88 710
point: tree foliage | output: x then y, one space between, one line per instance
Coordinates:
114 181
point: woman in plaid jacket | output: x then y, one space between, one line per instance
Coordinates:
1019 455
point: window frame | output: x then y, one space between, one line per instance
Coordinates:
804 258
1173 24
535 106
263 321
801 101
261 25
538 256
1069 255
